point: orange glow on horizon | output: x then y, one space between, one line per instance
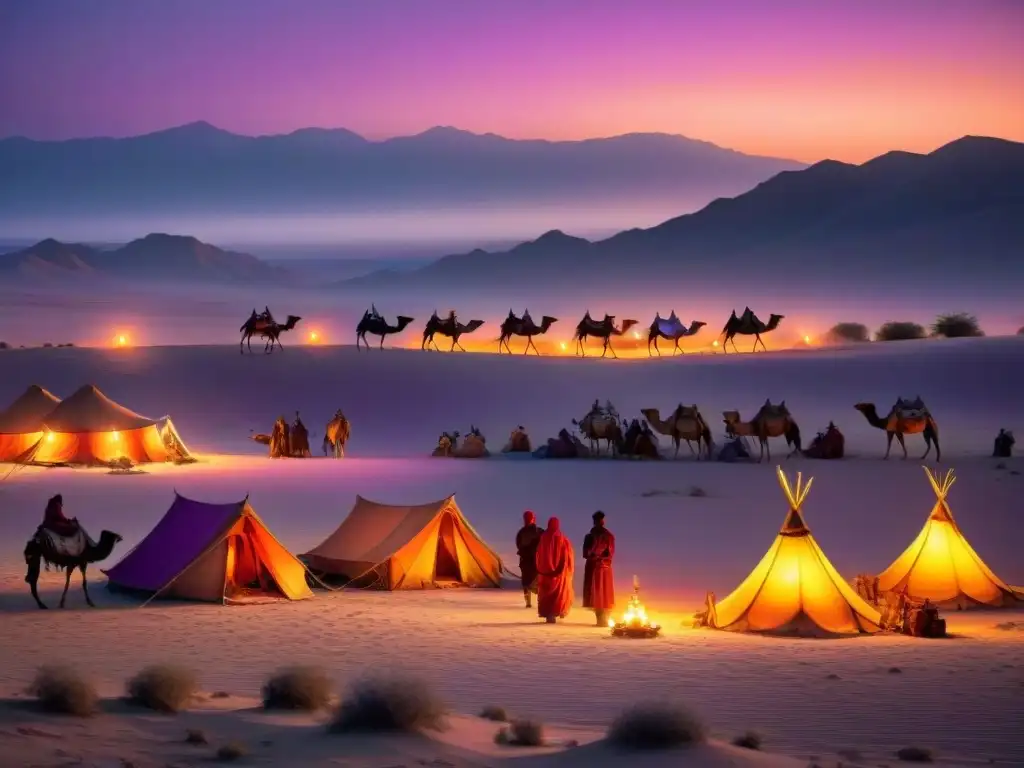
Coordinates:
121 340
314 337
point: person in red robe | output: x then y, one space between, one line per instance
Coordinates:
555 567
54 519
527 541
598 579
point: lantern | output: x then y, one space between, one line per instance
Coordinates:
634 622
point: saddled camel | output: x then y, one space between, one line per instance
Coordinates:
685 423
770 421
902 422
336 435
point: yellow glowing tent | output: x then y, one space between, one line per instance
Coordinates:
941 566
794 590
218 553
21 425
412 547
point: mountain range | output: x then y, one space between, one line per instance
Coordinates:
955 213
199 167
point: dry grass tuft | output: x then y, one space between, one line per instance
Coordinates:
656 726
749 740
63 690
497 714
915 755
196 736
388 703
521 733
303 688
163 688
231 752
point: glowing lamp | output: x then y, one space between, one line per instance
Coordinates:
634 622
564 346
314 337
115 436
636 334
121 340
714 343
49 437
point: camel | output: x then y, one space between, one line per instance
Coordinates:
770 421
671 330
685 423
40 549
829 444
450 327
748 324
603 330
336 435
474 446
373 323
447 444
597 426
272 333
898 423
523 326
518 442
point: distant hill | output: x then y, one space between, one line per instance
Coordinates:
198 167
957 212
153 257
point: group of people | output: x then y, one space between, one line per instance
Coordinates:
547 563
289 440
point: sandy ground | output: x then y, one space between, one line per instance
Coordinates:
810 699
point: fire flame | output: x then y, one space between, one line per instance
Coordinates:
635 616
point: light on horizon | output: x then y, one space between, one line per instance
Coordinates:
121 340
314 337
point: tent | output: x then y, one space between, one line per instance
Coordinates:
21 425
941 566
90 428
406 547
212 552
795 590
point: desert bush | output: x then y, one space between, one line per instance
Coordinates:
748 740
521 733
1020 332
656 726
696 492
64 691
47 345
957 326
5 345
497 714
915 755
196 736
388 703
163 688
843 332
230 752
900 331
299 687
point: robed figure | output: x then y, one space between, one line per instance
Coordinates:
598 578
555 566
280 439
527 541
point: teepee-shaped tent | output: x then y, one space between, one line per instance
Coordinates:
794 590
412 547
941 566
21 425
218 553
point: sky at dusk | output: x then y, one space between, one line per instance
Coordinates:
804 80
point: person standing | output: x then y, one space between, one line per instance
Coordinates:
598 578
555 567
526 547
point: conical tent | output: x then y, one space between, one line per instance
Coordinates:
90 428
212 552
941 566
795 590
21 425
406 547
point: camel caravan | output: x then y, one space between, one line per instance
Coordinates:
291 441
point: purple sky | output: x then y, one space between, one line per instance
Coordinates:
805 80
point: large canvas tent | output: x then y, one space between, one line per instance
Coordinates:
406 547
90 428
795 590
21 425
212 552
941 566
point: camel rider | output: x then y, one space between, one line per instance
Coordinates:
527 320
451 319
55 521
374 313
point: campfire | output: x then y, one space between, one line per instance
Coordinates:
634 622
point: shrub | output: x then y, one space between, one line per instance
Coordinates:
229 752
5 345
842 332
656 726
748 740
397 703
62 690
915 755
1020 332
299 687
163 688
497 714
696 492
956 326
47 345
521 733
900 331
195 736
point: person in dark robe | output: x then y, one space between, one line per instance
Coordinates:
54 519
598 578
279 439
555 567
527 541
299 439
1003 447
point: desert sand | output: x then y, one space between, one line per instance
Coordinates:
823 701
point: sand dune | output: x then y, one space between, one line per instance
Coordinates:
811 700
